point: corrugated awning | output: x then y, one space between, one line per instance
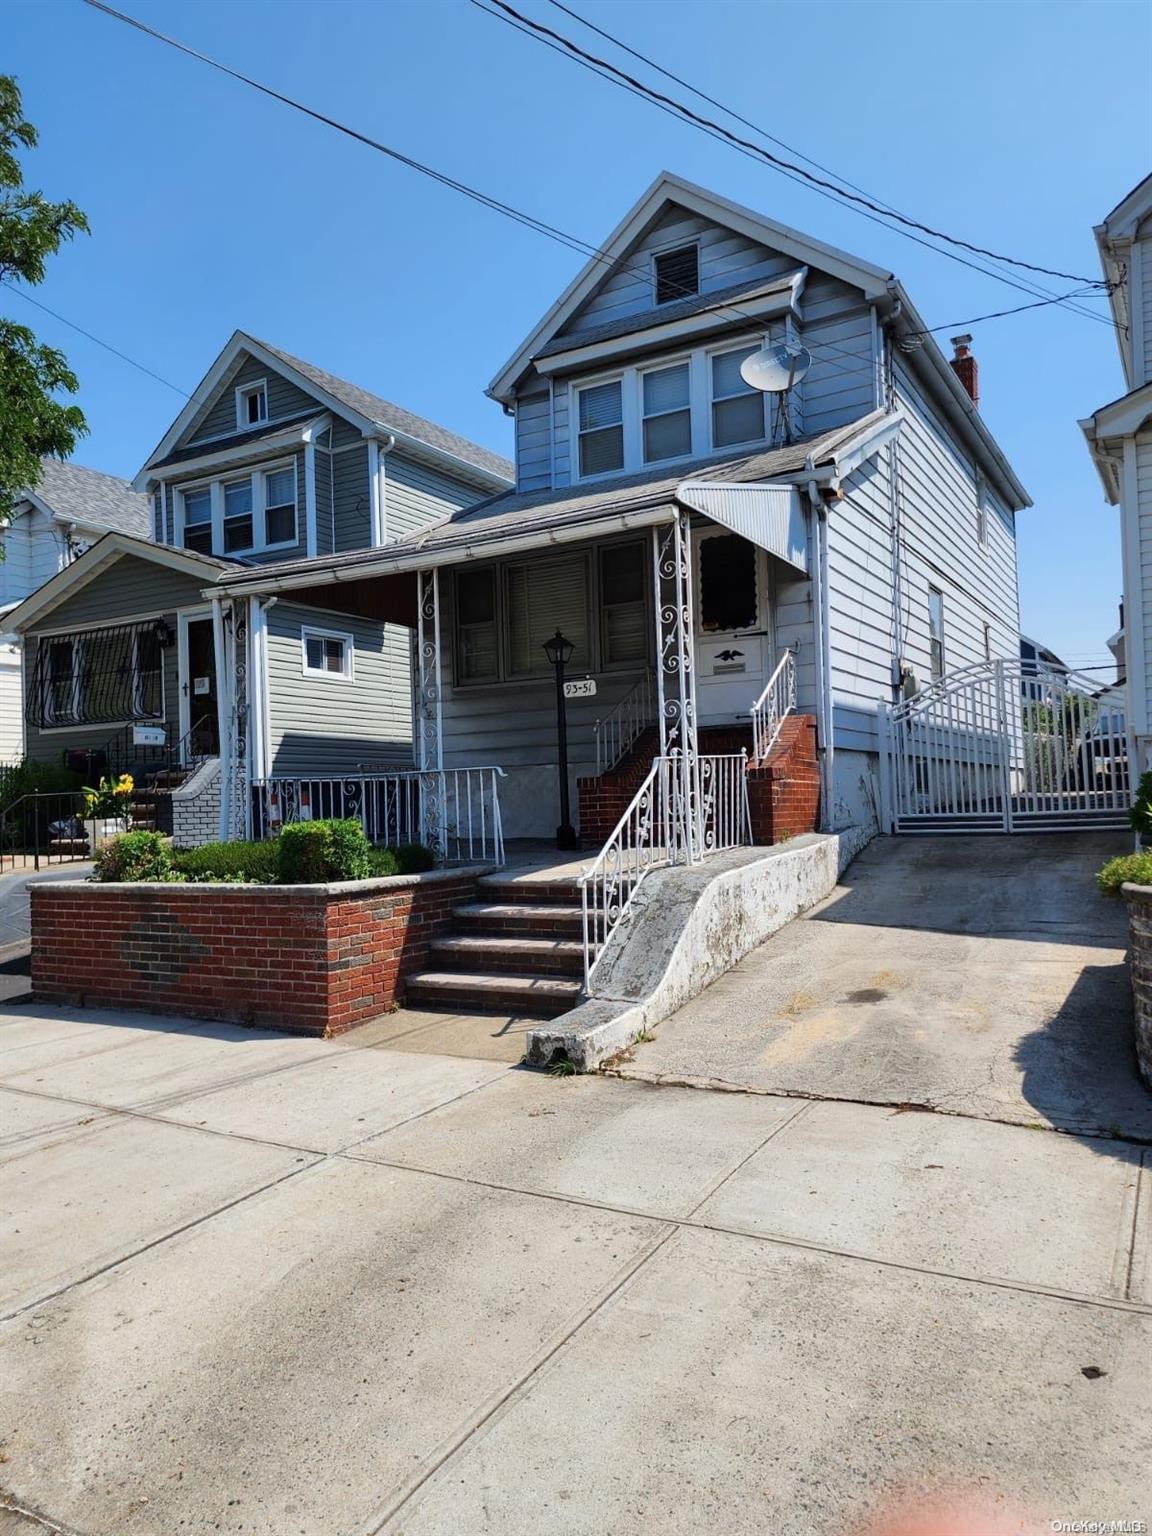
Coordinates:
771 516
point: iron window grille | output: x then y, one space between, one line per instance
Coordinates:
100 676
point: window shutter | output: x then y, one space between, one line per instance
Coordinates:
542 598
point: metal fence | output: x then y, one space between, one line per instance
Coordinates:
39 831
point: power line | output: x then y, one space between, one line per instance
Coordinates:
755 127
681 113
999 314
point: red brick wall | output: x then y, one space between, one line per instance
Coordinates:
292 958
784 791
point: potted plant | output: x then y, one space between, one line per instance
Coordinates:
109 807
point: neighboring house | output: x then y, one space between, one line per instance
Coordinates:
692 544
1120 440
130 652
69 509
1034 656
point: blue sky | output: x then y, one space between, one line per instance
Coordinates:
1017 126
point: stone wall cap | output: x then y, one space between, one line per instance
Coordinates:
384 883
1130 889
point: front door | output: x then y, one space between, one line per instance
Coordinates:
733 645
198 691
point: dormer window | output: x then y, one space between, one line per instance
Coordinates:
251 405
677 273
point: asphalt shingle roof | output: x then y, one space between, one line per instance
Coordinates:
237 439
89 496
390 415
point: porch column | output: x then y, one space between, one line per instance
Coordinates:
429 722
676 670
231 635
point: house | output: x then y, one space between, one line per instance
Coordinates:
49 527
130 651
1119 437
860 535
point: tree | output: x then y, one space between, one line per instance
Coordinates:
33 421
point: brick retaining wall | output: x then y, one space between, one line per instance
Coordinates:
309 959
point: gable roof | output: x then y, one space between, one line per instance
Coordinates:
374 415
105 552
1113 241
78 495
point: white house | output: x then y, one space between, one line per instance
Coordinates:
1119 438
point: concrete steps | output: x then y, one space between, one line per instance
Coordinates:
518 950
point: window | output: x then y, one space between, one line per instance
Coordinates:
327 654
936 631
987 642
677 274
601 428
198 520
623 626
102 676
477 644
63 681
238 515
667 414
737 408
280 506
147 675
541 598
252 405
981 515
728 595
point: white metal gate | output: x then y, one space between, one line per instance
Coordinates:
1005 746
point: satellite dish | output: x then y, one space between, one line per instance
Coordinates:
776 369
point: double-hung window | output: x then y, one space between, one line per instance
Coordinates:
667 413
737 408
238 530
198 520
936 631
63 676
601 428
543 596
280 506
623 627
477 642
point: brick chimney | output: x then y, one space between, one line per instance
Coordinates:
966 368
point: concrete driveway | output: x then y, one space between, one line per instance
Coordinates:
280 1287
978 976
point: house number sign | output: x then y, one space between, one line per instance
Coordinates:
580 688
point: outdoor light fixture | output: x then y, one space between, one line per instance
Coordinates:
559 653
165 635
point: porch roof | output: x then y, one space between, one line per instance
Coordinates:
543 517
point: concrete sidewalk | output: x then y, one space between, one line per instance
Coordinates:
292 1287
979 976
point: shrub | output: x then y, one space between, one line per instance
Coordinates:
382 862
413 858
1140 812
1129 868
316 852
29 778
254 863
134 856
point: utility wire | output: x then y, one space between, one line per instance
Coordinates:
747 123
998 314
602 67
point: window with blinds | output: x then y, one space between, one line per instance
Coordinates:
601 428
737 408
667 414
280 506
198 520
238 516
677 274
477 641
541 598
623 625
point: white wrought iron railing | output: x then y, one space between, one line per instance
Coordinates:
622 728
682 812
455 812
773 707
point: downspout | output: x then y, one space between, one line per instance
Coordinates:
223 716
378 449
826 746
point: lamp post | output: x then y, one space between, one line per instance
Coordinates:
559 652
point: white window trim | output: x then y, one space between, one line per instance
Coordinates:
257 474
49 637
667 250
347 674
699 360
242 392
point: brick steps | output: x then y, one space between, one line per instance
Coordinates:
483 991
487 952
504 918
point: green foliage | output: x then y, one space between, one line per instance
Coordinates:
29 778
413 858
1128 869
134 856
1140 811
254 863
316 852
382 862
32 421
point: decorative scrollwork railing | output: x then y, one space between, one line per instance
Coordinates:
684 810
618 731
773 707
455 812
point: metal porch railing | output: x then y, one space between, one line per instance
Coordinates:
619 730
772 708
454 812
682 812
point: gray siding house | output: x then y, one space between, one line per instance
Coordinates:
699 543
130 650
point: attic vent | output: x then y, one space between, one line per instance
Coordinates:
677 274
